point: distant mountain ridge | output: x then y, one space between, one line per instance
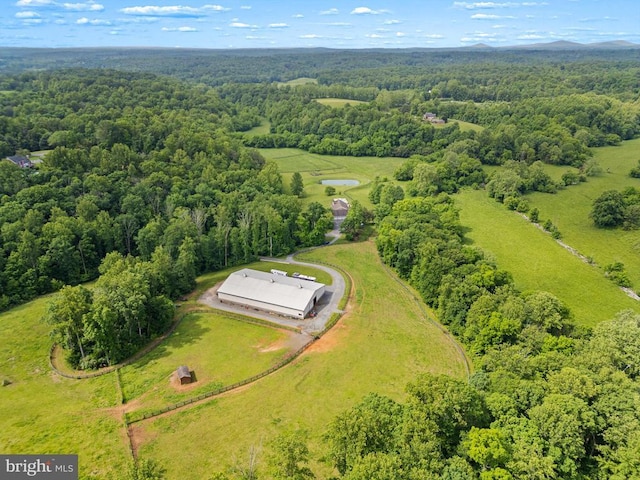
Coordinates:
562 45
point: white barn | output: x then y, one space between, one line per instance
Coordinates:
270 292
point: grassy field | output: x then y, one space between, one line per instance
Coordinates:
218 349
338 102
41 412
569 209
262 129
381 343
315 168
537 262
298 81
464 126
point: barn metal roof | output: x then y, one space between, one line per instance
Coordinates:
269 288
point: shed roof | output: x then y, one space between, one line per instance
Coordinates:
183 371
270 289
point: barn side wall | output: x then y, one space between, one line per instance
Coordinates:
290 312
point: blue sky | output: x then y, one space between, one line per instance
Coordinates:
313 23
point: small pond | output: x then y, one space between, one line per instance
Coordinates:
348 183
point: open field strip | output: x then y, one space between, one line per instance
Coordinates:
537 262
380 344
464 126
262 129
298 81
338 102
569 210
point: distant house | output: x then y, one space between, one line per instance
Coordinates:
21 161
340 207
432 118
184 375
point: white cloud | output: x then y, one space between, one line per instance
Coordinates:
84 7
487 16
331 11
373 35
169 11
241 25
363 11
32 21
27 14
216 8
35 3
278 25
392 22
297 15
86 21
339 24
310 35
530 36
400 34
245 7
179 29
433 35
484 5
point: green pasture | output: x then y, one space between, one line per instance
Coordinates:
569 209
41 412
382 342
338 102
263 129
464 126
314 168
536 261
298 81
218 349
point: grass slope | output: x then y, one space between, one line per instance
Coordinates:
382 342
569 209
537 262
41 412
218 349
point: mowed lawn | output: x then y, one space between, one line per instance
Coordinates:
218 349
537 262
382 342
41 412
314 168
569 209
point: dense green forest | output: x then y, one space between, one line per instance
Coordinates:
150 180
136 163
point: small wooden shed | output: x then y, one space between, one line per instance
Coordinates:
184 375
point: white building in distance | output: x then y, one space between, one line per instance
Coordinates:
278 294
